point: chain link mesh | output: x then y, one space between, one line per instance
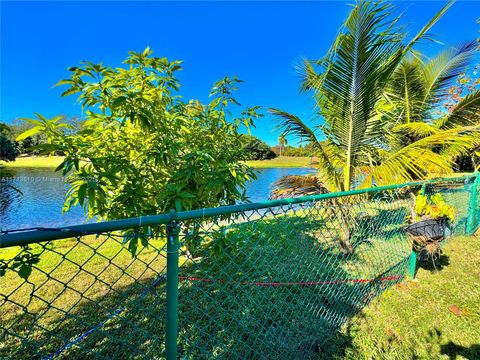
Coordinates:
456 194
84 297
268 283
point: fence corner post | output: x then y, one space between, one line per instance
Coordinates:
171 331
472 206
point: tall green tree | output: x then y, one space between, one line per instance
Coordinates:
141 149
349 87
7 148
282 142
256 149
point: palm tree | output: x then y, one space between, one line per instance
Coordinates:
418 90
350 87
282 141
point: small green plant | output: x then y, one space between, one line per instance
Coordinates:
434 207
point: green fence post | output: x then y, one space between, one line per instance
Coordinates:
413 263
172 291
472 208
413 255
423 190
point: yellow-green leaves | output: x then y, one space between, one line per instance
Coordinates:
30 132
141 149
435 207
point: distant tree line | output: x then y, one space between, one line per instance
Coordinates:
289 150
256 149
10 148
7 147
253 147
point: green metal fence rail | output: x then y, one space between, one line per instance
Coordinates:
259 280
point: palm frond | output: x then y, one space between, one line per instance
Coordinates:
441 71
421 35
310 78
426 28
416 130
457 149
349 86
294 186
353 81
406 91
465 113
417 159
290 124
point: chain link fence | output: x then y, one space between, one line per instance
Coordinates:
267 280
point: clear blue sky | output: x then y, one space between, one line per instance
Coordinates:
259 42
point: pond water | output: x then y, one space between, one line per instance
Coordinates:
43 194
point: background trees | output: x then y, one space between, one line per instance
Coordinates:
282 142
142 149
7 147
256 149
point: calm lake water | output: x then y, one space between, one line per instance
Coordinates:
43 190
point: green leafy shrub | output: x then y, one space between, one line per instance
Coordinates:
143 150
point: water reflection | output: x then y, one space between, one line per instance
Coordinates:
41 201
44 191
259 189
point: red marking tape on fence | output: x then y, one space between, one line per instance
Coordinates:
301 283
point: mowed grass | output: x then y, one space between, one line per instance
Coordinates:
72 287
34 162
283 162
54 161
436 316
77 286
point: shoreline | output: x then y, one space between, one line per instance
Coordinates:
33 162
54 161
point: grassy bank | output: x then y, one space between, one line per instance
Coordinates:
54 161
278 162
34 162
435 317
282 162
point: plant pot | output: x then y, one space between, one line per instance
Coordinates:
430 229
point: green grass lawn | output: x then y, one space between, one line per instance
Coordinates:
34 162
54 161
75 286
282 162
436 316
72 287
225 311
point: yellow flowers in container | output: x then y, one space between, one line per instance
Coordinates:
435 207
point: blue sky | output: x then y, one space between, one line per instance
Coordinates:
260 42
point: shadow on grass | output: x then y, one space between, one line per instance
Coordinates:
337 345
263 289
435 264
453 350
119 326
277 290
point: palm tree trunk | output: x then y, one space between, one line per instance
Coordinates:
347 176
